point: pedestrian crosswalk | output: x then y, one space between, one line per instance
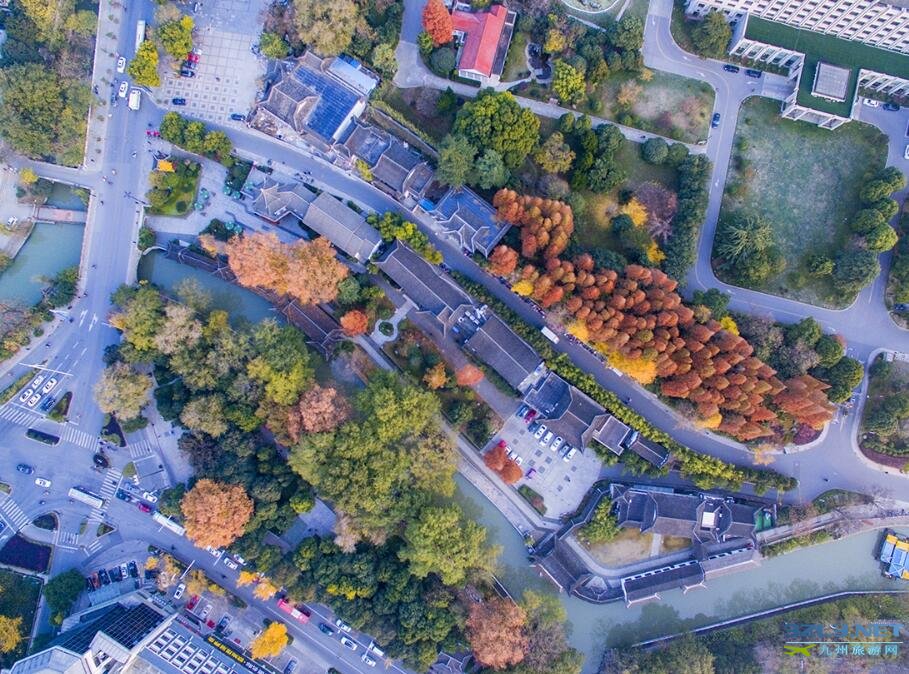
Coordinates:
79 437
141 449
18 415
108 488
13 514
67 538
94 546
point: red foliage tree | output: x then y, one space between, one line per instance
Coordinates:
354 323
469 375
495 458
437 22
503 260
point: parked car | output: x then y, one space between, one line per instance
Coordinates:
48 403
186 72
541 431
530 416
178 101
871 103
181 588
343 626
41 482
531 473
891 106
290 667
203 614
192 57
522 410
121 64
570 454
715 122
144 508
148 496
124 87
223 623
25 468
546 439
368 660
326 629
906 153
123 496
124 570
103 577
349 643
518 459
115 574
237 117
230 564
751 72
36 382
26 394
731 68
133 569
557 443
34 400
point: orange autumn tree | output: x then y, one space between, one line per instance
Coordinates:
495 458
503 260
215 513
546 224
496 632
271 642
319 409
436 377
437 22
308 272
354 323
469 375
511 472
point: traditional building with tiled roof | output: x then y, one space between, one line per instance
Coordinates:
485 36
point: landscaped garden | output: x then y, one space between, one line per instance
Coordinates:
25 554
807 184
18 599
174 192
885 419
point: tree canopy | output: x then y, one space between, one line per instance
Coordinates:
144 67
122 391
215 513
327 27
496 121
176 37
442 541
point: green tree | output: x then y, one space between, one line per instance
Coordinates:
605 174
745 245
61 591
567 82
843 378
495 121
881 239
10 633
655 150
146 238
327 27
282 364
384 61
140 318
424 42
176 37
854 269
866 220
715 300
273 46
829 350
205 414
49 18
489 170
84 22
456 156
122 391
172 128
392 226
217 144
627 34
431 548
442 61
807 331
554 155
712 35
602 526
818 265
144 67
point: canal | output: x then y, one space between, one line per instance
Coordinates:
810 572
50 248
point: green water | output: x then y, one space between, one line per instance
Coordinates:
50 248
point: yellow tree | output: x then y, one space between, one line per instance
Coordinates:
265 589
10 633
271 642
246 578
196 581
215 513
436 377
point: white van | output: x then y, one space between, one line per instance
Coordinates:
135 99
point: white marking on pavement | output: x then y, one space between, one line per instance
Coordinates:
94 320
82 316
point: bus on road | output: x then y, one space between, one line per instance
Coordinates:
140 33
86 497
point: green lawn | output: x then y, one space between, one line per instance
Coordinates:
413 105
673 106
173 194
516 62
18 598
805 180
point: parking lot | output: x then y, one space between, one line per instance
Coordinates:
228 73
562 484
40 394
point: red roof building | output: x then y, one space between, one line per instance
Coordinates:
485 41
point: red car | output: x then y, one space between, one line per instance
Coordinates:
530 416
191 604
502 445
192 57
144 508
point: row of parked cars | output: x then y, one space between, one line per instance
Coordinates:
544 435
113 575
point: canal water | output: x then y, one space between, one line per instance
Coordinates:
50 248
810 572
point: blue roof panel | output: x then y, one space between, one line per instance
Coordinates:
335 102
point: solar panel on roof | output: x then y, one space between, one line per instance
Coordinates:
335 102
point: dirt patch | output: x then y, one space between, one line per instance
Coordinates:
628 547
674 543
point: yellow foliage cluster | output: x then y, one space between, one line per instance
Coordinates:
635 210
642 370
711 422
579 330
655 254
729 325
523 288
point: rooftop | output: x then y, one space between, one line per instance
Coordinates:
482 31
181 650
497 345
350 71
472 219
344 227
831 81
273 200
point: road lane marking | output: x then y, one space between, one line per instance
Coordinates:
82 316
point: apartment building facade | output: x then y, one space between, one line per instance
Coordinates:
881 23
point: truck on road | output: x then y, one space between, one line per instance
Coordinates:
135 99
550 335
140 33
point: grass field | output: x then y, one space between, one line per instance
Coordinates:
414 104
674 106
18 598
805 181
516 62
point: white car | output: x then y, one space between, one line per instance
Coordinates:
871 103
906 153
34 400
181 588
51 383
36 382
349 643
204 614
518 459
546 439
570 454
230 564
148 496
41 482
556 443
124 87
121 64
540 431
343 626
26 394
368 660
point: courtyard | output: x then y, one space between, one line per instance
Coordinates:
805 181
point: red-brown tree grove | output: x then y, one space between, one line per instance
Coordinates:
546 224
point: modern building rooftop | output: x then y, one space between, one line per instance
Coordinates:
831 81
482 34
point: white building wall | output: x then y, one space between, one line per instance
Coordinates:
873 22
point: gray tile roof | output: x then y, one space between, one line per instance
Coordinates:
638 589
610 433
565 410
344 227
498 346
650 451
366 142
273 200
462 213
